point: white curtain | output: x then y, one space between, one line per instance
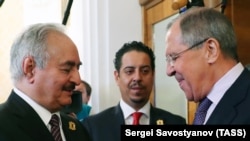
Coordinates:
89 27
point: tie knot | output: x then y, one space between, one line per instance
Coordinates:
204 105
54 121
201 112
136 117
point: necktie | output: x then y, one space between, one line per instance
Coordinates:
55 128
202 111
136 118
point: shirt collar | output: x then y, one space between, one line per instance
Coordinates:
128 110
44 114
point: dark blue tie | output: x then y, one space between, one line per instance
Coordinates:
202 111
55 127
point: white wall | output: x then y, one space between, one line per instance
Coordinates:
111 24
10 24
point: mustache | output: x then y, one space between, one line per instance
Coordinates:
69 87
136 84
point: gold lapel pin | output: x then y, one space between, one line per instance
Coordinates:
159 122
72 125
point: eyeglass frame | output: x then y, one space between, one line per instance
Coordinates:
172 58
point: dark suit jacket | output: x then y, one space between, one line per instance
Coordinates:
234 106
19 122
106 125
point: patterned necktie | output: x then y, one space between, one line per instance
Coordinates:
55 128
202 111
136 118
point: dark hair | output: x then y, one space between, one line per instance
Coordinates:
130 46
88 87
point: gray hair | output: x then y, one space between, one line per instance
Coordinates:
32 42
199 23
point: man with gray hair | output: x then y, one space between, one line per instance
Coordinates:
201 53
44 66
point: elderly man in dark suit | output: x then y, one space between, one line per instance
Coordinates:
201 52
44 68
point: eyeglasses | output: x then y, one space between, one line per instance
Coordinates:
172 57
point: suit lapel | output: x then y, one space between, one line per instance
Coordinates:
28 120
154 118
119 115
228 104
70 128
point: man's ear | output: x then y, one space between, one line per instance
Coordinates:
116 75
213 50
29 68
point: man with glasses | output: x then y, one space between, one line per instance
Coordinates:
201 53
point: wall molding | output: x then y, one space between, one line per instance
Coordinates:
149 3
